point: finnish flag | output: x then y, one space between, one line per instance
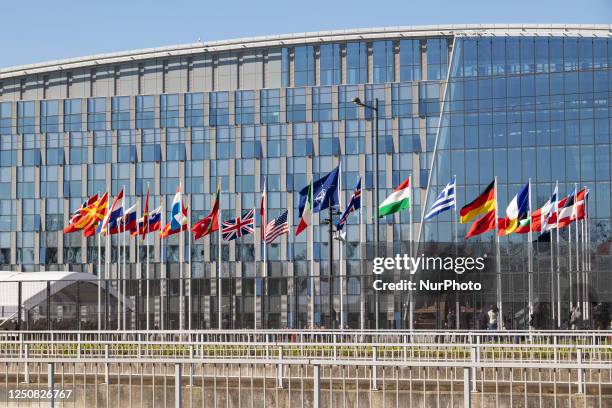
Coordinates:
445 201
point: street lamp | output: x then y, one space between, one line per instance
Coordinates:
374 130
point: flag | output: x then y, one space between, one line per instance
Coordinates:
238 227
129 222
535 224
97 213
178 217
276 228
484 203
324 192
517 213
445 201
578 211
80 219
566 208
110 225
262 209
154 223
482 225
306 213
145 217
210 223
353 205
549 210
398 200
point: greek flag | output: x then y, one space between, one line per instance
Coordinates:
445 201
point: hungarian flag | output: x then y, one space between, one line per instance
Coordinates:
398 200
484 203
306 213
579 210
97 213
482 225
80 218
210 223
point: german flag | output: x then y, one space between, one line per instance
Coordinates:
484 203
482 225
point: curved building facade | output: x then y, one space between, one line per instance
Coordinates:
519 102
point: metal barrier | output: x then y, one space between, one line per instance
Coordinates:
302 369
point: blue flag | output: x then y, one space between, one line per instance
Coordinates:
324 192
353 205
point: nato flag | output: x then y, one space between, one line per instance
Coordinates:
324 192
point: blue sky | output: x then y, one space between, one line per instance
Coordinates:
35 31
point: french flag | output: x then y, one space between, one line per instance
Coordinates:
110 225
130 220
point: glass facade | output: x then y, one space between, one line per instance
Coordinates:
518 108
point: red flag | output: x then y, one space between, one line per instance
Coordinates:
145 216
482 225
210 223
97 212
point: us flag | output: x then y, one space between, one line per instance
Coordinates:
238 227
276 228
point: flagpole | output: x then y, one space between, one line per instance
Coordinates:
263 213
264 272
124 276
456 238
181 260
139 268
189 277
219 294
312 280
552 260
163 271
148 275
290 257
498 262
340 249
558 255
577 243
362 309
107 274
411 238
530 259
99 282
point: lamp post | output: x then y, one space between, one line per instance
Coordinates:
374 130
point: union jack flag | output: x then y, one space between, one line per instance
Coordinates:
353 205
238 227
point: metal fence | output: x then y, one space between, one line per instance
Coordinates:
304 369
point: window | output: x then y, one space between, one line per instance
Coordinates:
250 141
72 115
194 109
382 56
401 96
429 99
78 148
245 175
354 136
31 150
409 139
102 148
373 92
54 214
356 63
72 181
245 107
8 150
55 148
126 146
346 108
437 58
96 114
6 177
219 108
120 173
330 64
25 117
169 111
277 141
302 139
30 215
145 112
120 115
322 103
151 148
304 65
175 144
226 142
200 144
25 182
329 143
6 111
49 187
8 219
410 60
296 105
270 106
96 179
49 116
